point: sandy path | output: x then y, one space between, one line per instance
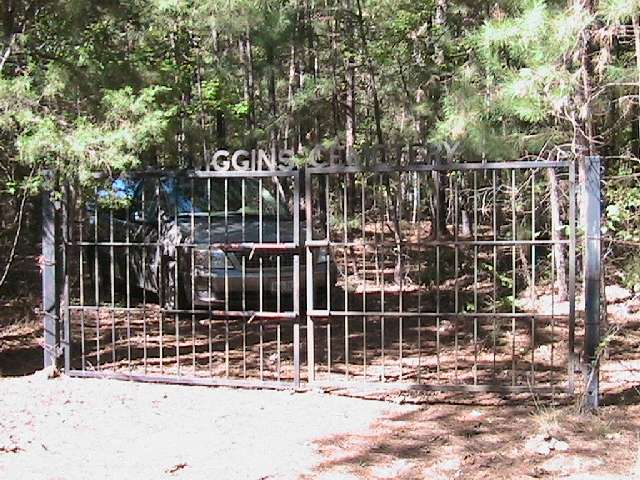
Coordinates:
78 429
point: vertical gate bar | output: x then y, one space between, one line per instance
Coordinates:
456 269
328 333
345 179
438 206
278 340
329 256
144 284
553 316
572 275
364 275
160 275
418 230
398 212
494 225
278 333
513 277
244 281
382 277
375 238
112 289
128 281
176 276
475 277
96 279
226 277
207 167
209 266
66 321
193 278
49 294
296 276
592 282
311 342
260 280
533 275
81 273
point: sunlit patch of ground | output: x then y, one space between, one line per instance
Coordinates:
78 429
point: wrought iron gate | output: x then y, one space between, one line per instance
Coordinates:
185 277
428 276
439 301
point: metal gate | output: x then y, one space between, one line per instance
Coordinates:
185 277
441 268
408 272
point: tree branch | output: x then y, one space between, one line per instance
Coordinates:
19 219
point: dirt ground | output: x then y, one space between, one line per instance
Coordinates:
77 429
67 429
74 429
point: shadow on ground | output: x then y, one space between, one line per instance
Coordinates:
453 441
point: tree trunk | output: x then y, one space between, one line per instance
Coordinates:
584 142
440 179
8 21
416 197
440 21
585 133
249 81
333 28
292 78
350 110
273 101
399 271
556 234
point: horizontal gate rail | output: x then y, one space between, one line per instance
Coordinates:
430 243
185 380
436 167
392 314
249 247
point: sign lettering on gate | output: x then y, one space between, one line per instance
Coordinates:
321 155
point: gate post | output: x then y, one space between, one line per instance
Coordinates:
592 282
50 304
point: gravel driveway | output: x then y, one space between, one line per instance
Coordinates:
93 429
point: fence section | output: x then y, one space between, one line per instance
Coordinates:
425 275
186 276
447 274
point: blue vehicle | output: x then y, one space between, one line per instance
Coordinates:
189 240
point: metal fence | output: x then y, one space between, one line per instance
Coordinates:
424 275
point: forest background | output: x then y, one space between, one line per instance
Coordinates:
116 85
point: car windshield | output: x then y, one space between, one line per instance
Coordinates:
197 196
234 195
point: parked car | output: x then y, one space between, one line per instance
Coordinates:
177 228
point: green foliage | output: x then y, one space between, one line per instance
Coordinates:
618 11
621 212
128 125
116 85
631 273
